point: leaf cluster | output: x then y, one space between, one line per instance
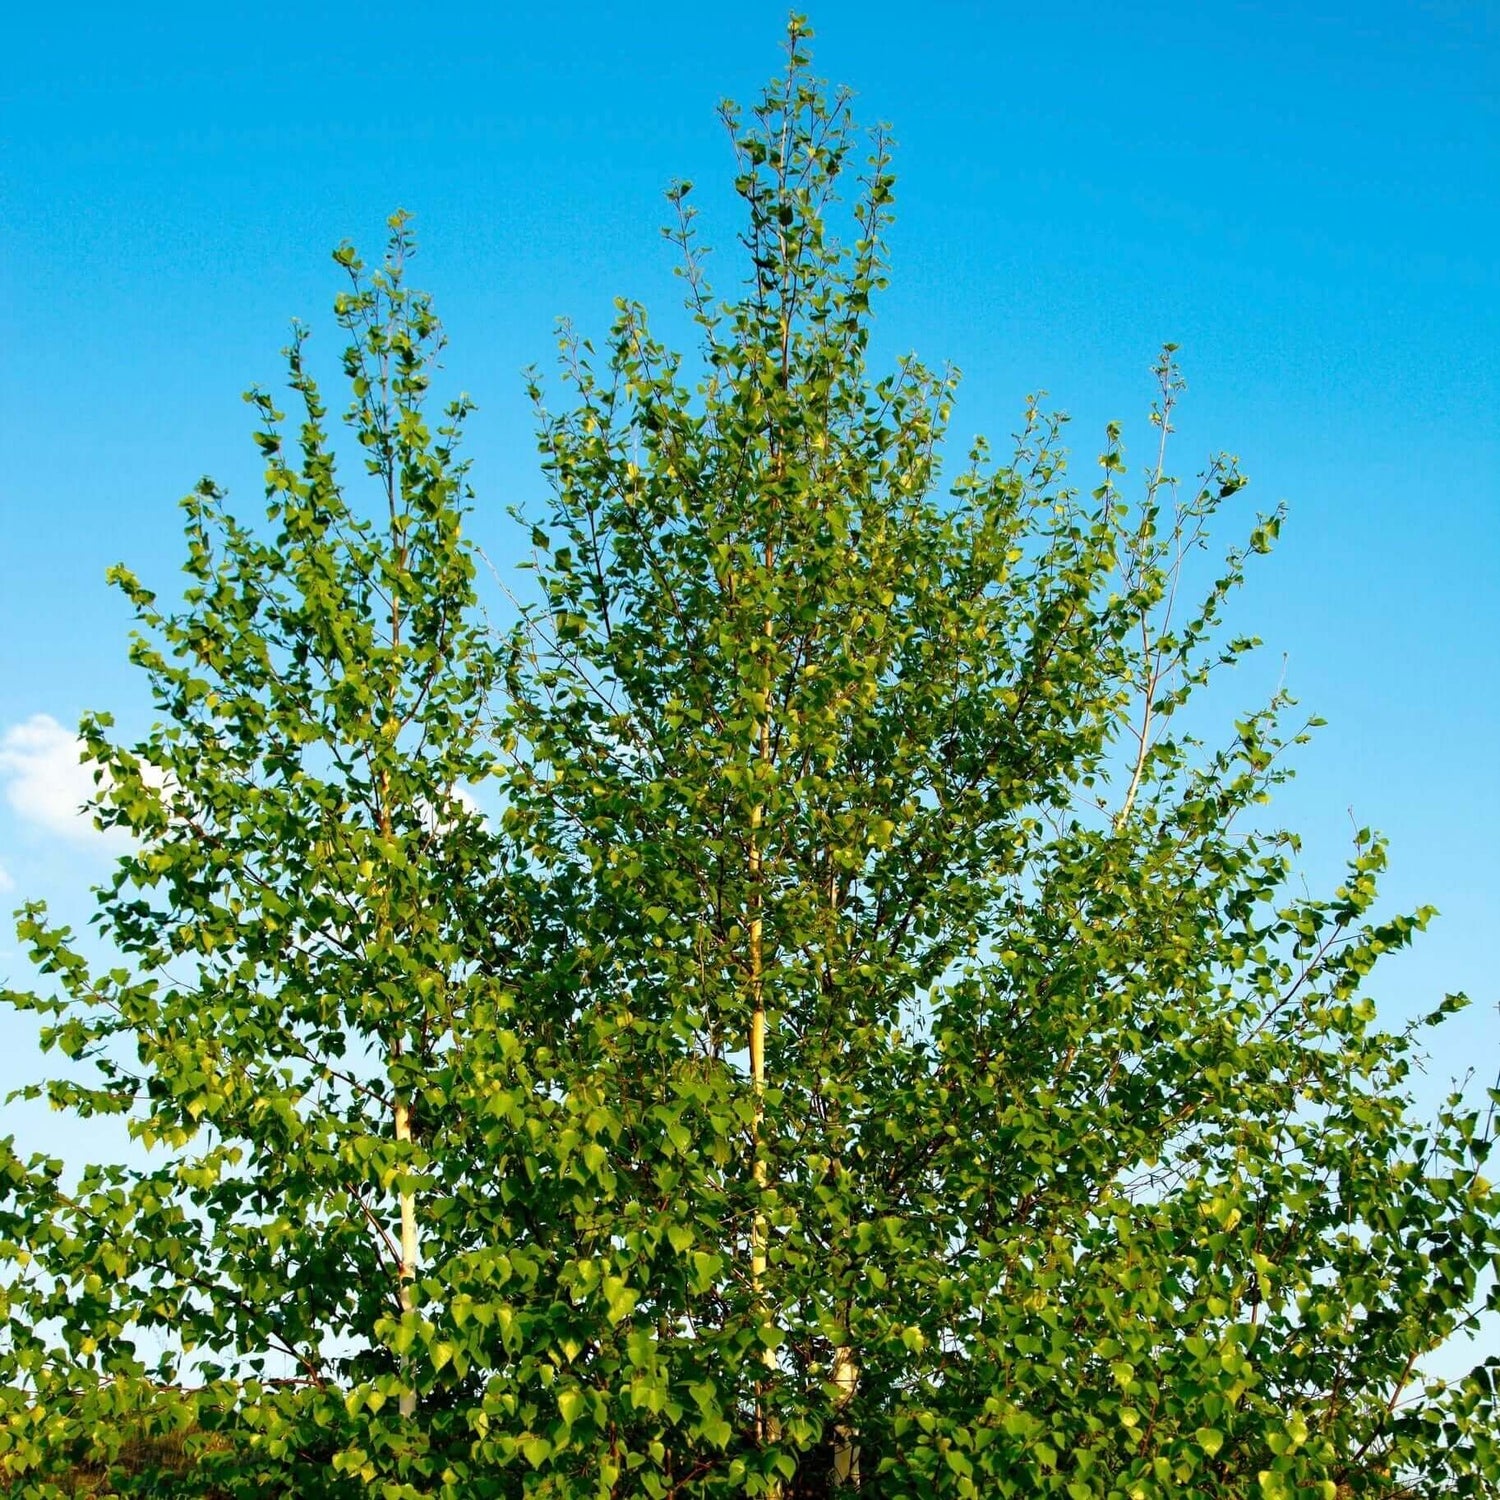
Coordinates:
870 1041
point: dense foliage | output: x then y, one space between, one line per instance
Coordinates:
871 1042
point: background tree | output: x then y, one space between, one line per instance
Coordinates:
307 931
876 1047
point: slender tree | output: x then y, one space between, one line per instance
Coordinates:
307 930
874 1045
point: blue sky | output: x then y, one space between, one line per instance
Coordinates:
1302 196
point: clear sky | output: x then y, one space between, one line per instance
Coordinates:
1302 195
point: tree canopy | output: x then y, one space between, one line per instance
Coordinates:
869 1040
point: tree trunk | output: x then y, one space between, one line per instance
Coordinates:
766 1427
408 1203
845 1374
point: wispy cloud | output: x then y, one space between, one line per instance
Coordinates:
46 779
6 881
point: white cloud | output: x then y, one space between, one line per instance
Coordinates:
6 882
460 794
46 781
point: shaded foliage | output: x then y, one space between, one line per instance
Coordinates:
873 1044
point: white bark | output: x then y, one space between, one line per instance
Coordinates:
408 1205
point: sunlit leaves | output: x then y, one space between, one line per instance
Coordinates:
1082 1166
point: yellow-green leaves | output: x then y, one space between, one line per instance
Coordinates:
1075 1162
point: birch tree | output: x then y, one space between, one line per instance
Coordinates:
1041 1138
874 1046
307 931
